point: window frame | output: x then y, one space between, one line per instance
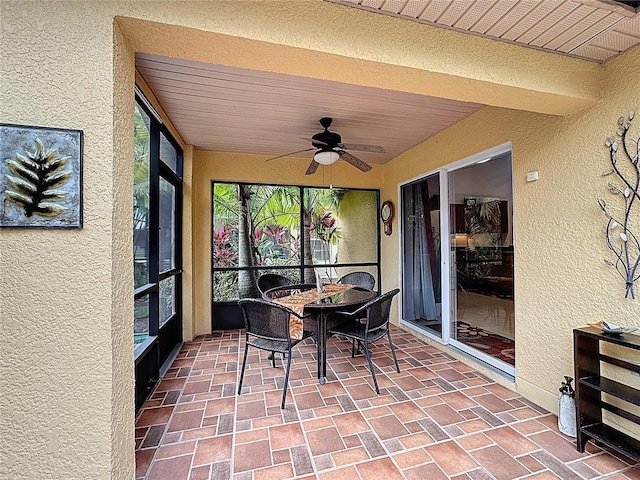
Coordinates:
301 266
157 348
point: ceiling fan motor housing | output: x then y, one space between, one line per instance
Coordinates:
326 140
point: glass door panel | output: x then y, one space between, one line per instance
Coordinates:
157 230
167 300
141 320
167 225
168 153
421 255
141 183
481 256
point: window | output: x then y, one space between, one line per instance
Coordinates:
290 230
157 203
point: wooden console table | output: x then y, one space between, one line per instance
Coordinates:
591 385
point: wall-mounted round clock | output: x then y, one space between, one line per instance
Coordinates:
386 214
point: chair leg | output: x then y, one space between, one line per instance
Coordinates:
273 359
244 363
353 348
393 350
367 352
271 355
286 380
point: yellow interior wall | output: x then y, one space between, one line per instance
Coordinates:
561 281
66 308
233 167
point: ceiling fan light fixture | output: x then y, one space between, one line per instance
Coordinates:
326 157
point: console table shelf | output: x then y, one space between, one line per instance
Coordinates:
590 386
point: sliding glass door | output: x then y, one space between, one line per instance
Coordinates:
421 262
481 257
458 286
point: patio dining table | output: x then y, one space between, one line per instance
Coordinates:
334 298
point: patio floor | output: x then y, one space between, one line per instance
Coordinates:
437 419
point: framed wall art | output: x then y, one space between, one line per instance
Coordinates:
40 177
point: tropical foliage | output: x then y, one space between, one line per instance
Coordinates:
140 197
260 226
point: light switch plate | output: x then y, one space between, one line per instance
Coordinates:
532 176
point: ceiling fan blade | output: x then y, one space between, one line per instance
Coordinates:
355 161
313 166
287 154
313 140
364 148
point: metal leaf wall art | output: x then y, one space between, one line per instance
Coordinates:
35 181
40 177
624 215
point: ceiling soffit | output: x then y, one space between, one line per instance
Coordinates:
590 29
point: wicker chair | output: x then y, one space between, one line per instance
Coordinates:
271 280
359 279
376 325
267 328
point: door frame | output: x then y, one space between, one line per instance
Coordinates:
448 298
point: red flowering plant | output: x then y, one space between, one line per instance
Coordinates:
224 252
274 243
324 228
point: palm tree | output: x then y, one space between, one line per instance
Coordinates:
316 202
254 208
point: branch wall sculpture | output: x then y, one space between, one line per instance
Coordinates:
620 238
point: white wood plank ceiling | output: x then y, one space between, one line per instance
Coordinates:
229 109
590 29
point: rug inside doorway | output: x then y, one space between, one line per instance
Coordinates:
487 342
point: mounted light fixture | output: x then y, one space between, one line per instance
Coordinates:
326 157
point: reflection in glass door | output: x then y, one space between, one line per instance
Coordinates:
481 259
421 262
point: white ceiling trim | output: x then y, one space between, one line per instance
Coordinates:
595 30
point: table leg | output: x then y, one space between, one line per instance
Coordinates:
322 349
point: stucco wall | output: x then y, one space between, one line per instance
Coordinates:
561 281
67 362
66 409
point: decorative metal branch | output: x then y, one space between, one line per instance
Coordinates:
620 239
36 177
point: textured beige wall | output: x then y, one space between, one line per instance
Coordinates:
66 409
66 406
315 38
561 281
208 166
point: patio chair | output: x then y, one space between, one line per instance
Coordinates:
267 328
359 279
272 280
376 325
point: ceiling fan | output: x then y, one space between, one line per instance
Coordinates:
329 149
